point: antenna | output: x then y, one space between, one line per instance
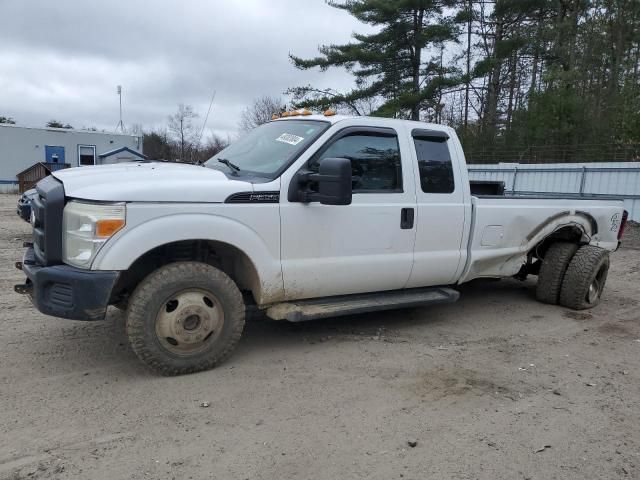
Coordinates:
120 124
204 124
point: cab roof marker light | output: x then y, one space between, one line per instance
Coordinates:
329 113
275 116
305 111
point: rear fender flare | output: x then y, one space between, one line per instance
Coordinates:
581 220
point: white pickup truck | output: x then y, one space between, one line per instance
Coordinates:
306 217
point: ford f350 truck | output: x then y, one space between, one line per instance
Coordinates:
306 217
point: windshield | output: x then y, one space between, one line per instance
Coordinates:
266 149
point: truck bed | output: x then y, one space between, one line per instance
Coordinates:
506 228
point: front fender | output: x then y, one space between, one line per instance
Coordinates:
131 243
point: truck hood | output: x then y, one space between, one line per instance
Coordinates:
149 182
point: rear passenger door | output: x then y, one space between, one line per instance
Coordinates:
440 209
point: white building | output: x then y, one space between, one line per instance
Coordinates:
22 147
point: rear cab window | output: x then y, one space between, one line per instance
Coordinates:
434 161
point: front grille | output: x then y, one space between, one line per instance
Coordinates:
47 227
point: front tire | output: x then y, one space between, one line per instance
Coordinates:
185 317
585 278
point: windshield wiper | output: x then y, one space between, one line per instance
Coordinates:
232 166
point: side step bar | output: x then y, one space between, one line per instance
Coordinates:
316 308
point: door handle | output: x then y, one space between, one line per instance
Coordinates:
406 218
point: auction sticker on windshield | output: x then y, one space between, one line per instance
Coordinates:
289 138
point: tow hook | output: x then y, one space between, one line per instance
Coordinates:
24 289
19 265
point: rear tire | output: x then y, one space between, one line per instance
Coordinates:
553 270
185 317
584 281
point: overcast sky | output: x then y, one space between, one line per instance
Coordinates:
62 59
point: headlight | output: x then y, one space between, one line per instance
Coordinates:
86 227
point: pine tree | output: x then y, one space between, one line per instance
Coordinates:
391 64
521 80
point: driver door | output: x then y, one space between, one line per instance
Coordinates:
363 247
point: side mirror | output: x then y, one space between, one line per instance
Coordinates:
334 182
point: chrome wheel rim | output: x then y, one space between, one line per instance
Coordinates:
596 286
188 321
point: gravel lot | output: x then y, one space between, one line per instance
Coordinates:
482 386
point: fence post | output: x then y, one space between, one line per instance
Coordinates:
515 176
582 179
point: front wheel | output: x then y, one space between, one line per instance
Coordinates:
185 317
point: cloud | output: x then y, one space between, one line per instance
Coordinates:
63 59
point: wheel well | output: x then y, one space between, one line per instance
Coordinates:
231 260
572 233
569 233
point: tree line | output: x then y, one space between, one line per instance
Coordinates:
550 80
50 124
182 139
520 80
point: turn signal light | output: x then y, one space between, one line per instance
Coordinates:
107 227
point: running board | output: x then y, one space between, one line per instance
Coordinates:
316 308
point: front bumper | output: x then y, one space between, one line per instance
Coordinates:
64 291
24 211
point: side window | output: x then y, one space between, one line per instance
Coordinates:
375 161
86 155
434 163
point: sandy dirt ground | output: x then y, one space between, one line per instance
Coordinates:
496 386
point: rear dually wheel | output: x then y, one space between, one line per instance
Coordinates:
586 276
552 271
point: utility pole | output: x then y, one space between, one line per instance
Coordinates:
120 124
